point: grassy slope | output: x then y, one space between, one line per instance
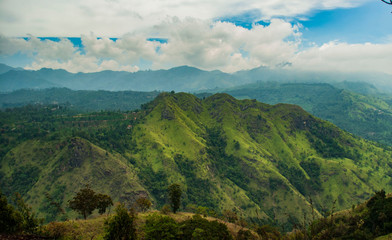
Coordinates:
61 168
94 228
263 161
271 140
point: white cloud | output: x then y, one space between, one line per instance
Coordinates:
336 56
115 18
204 44
224 46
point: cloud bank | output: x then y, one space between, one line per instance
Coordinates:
114 18
204 44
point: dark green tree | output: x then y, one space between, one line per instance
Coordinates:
175 196
200 228
143 203
160 227
103 201
85 201
121 226
10 220
30 222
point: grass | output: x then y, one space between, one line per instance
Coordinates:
93 228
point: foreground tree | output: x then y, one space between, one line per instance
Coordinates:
21 219
121 226
143 204
103 202
10 220
85 201
30 222
175 196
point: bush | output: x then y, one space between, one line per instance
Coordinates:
201 228
120 226
160 227
165 209
143 203
245 235
10 220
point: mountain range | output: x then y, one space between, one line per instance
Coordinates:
264 161
183 78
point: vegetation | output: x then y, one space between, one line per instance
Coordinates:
363 113
17 220
259 161
121 226
174 196
143 203
80 100
86 201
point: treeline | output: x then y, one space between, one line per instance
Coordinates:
364 221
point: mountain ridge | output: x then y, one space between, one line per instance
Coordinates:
263 160
182 78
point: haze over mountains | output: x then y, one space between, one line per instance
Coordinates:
184 78
358 107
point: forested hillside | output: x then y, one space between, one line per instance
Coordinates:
367 116
263 161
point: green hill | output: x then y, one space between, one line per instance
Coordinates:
363 115
263 161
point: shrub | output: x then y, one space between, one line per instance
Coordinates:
10 220
160 227
120 226
200 228
165 209
143 203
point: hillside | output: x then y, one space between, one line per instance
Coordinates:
263 161
82 100
363 115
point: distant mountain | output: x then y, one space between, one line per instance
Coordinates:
14 79
382 82
263 161
184 78
82 99
362 115
178 79
5 68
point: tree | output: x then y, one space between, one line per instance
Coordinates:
174 196
143 203
30 222
85 201
10 220
103 202
121 226
160 227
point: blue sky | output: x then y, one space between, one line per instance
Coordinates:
230 35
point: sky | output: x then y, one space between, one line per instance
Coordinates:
226 35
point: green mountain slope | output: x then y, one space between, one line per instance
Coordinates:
60 168
363 115
263 161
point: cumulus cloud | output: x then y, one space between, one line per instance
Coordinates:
338 56
221 45
204 44
200 43
115 18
